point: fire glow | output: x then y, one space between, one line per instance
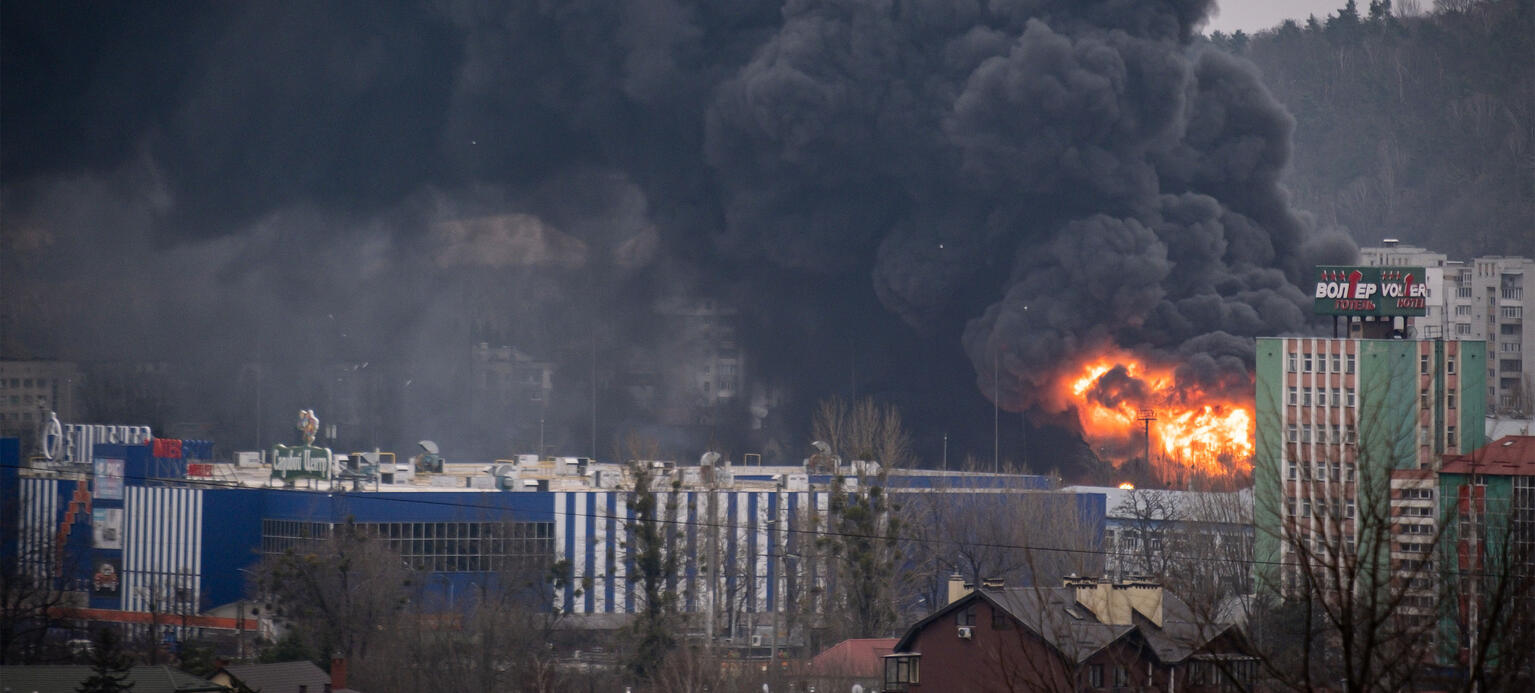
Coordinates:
1191 430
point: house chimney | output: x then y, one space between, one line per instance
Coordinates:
957 587
1114 602
337 673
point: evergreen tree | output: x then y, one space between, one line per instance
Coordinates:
654 628
109 666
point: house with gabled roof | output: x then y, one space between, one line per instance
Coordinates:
1086 635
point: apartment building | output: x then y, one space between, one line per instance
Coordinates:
1482 299
30 389
1344 427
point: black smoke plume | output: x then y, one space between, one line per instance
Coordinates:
895 195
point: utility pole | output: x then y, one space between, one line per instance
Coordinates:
996 411
1146 416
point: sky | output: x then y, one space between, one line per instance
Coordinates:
1255 15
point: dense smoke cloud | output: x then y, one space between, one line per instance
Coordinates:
1013 182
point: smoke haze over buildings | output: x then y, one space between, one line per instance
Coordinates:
894 195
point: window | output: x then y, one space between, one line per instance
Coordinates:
1423 397
1513 293
1306 363
1423 363
1305 399
1350 505
1292 396
1449 399
1291 433
1305 433
1449 436
1463 328
965 616
1095 676
1121 676
1449 365
1337 398
1336 362
1350 392
1291 365
1292 470
1349 367
901 671
1000 620
1321 363
1512 311
1462 292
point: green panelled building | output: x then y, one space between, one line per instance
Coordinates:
1347 421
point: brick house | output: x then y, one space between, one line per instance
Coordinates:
1087 635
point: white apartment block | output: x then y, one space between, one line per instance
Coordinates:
1482 299
29 390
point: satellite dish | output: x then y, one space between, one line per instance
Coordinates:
370 457
429 447
821 446
708 459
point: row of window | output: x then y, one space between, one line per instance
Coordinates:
1321 471
1307 509
1318 363
1424 364
1095 676
1449 398
1415 528
1306 396
434 546
1230 674
15 383
1302 433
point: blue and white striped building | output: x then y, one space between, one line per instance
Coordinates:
182 545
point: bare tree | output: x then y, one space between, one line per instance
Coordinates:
1353 586
499 637
343 593
33 587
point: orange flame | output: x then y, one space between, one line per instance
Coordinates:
1191 430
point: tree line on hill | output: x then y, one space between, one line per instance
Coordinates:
1410 124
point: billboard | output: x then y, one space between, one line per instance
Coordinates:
109 478
1370 291
106 577
300 462
107 528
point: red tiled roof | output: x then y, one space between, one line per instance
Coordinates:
853 658
1506 456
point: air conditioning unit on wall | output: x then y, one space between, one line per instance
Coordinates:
966 632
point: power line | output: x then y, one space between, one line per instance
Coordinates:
693 522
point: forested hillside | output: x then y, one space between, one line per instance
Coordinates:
1415 127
